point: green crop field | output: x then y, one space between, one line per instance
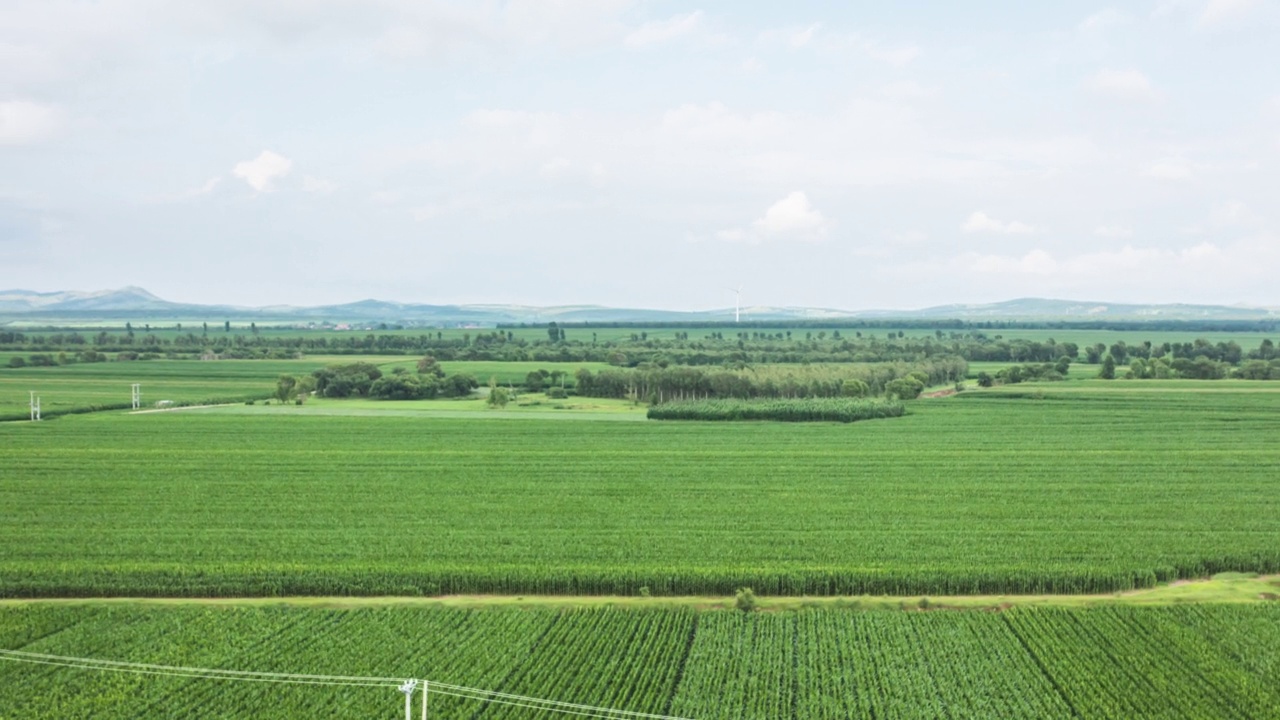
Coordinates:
1073 487
83 386
1176 662
107 384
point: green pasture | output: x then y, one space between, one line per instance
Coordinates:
1095 488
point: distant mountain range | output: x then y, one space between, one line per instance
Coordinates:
135 302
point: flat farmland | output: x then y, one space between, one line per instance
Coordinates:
1175 662
1067 491
107 384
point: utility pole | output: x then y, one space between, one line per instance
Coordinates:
137 395
35 406
407 689
426 686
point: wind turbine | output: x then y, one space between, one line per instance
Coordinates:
737 303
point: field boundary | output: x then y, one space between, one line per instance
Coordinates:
179 407
1228 588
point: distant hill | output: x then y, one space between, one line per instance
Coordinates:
1040 308
135 302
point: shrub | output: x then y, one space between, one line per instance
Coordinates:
794 410
745 600
460 384
855 388
499 397
907 388
404 387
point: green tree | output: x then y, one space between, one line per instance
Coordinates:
906 388
1063 366
345 380
498 397
427 365
286 388
404 386
461 384
1108 371
855 388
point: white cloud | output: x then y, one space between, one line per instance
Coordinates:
793 37
261 171
800 38
205 189
653 33
714 123
1131 85
555 167
896 56
317 185
1220 11
1036 262
1094 273
980 222
1113 232
1232 212
1170 169
23 122
815 37
1103 19
793 217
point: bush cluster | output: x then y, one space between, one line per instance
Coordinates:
795 410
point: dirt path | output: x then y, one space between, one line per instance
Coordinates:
178 407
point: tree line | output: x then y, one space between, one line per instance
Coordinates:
713 347
657 385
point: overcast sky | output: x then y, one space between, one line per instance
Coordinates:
652 154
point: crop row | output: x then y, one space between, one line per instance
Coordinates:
1117 662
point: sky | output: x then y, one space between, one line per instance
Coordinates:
642 154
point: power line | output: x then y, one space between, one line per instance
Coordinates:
446 689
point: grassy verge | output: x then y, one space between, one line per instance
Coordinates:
1233 588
